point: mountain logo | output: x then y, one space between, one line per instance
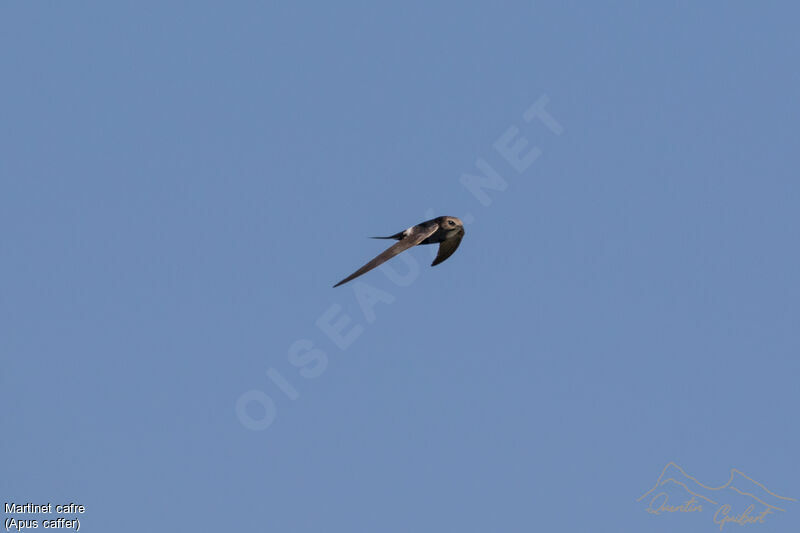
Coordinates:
741 500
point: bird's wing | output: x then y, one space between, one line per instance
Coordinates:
447 247
416 235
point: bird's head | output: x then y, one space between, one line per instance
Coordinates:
451 225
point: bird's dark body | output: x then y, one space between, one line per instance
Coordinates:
445 231
440 235
399 236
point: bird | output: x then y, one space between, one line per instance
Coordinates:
447 231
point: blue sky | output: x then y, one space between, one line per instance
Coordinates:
183 183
